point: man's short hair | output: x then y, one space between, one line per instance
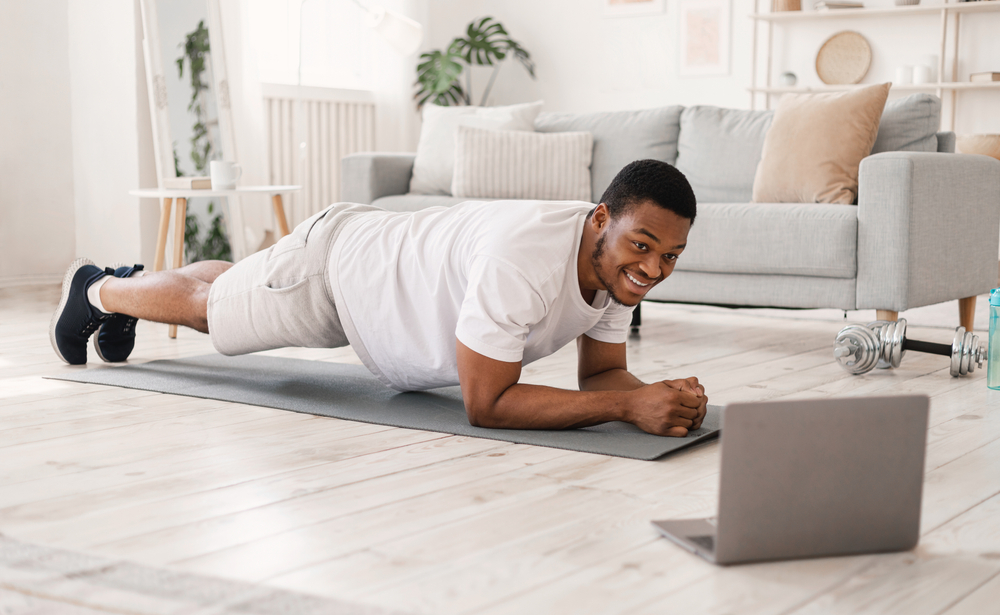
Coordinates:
650 180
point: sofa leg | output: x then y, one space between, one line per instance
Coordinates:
967 312
636 319
886 315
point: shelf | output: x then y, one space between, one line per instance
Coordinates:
922 87
983 6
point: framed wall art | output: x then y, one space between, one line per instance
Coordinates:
629 8
704 37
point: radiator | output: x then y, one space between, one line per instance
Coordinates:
309 130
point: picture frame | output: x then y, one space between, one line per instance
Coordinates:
632 8
704 38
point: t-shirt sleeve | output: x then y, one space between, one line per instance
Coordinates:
613 327
499 307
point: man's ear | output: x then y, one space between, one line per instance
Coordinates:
601 218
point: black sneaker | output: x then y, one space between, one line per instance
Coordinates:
75 320
116 338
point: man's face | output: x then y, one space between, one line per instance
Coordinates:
636 251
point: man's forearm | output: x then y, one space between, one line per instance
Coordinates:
529 406
611 380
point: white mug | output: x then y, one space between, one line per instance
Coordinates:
904 75
224 174
921 73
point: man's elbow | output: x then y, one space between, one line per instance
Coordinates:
481 415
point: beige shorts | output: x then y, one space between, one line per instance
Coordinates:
281 297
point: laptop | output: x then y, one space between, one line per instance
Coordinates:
813 478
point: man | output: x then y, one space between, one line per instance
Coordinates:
461 295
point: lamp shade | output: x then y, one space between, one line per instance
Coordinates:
403 33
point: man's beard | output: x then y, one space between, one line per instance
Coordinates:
595 259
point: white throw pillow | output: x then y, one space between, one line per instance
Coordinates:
522 165
435 161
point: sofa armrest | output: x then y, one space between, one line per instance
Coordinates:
368 176
928 228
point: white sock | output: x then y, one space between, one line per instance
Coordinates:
94 294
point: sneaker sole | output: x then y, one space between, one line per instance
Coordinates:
67 282
97 347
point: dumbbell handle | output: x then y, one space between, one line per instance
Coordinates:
929 347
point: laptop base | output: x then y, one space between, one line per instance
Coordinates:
695 535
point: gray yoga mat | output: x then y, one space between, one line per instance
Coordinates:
351 392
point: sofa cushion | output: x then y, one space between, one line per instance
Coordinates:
620 137
909 125
718 151
773 238
816 143
511 164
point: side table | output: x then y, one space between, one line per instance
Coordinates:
180 216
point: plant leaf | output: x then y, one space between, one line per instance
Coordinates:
486 42
437 79
521 55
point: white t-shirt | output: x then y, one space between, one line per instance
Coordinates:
500 276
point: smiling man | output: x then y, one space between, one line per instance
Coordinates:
465 295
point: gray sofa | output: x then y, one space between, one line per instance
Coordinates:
925 229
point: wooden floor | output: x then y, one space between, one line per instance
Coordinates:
428 523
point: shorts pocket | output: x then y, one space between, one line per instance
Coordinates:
284 286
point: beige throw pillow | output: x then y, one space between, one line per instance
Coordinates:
435 159
506 164
816 143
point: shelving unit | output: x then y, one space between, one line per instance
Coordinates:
948 12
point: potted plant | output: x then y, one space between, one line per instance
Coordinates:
486 43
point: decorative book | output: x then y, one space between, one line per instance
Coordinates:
984 77
834 4
187 183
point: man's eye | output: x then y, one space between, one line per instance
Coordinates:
670 257
641 245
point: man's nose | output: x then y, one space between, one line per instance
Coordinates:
650 267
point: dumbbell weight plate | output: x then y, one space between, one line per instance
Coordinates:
891 334
971 355
856 349
958 353
879 328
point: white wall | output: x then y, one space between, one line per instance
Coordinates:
37 233
105 96
588 62
74 138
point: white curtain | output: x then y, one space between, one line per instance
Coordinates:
397 123
271 28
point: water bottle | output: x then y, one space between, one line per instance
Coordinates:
993 365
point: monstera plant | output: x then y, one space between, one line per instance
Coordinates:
486 43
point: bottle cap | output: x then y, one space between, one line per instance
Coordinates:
995 297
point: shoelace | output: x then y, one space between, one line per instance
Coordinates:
93 325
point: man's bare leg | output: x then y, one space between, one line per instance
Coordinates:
175 297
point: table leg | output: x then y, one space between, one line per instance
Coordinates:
279 214
180 218
161 239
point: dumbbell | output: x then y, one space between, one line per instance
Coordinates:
860 348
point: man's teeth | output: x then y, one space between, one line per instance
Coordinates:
637 282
